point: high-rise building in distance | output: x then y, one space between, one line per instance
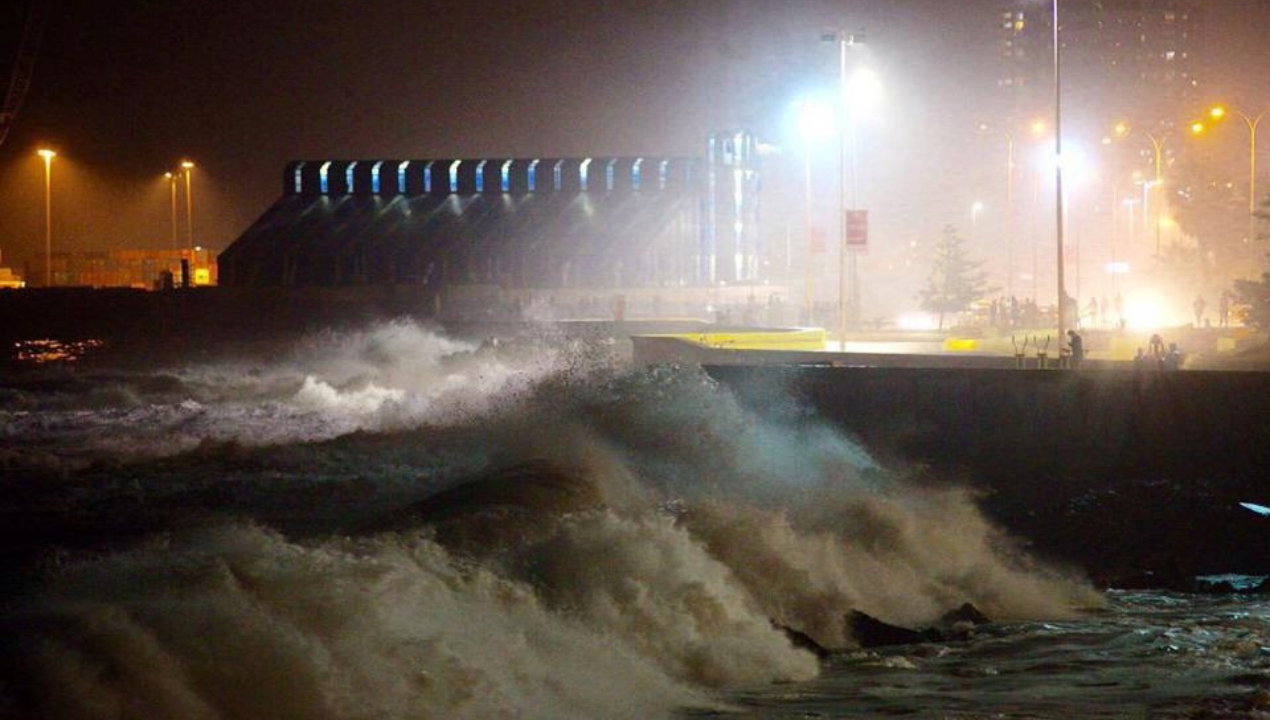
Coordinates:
1136 59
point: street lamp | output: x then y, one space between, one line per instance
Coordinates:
865 84
1218 113
1058 171
1123 130
48 156
172 180
188 167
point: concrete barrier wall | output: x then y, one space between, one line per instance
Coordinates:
1120 471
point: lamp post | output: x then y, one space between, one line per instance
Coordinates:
1058 172
172 180
48 156
1157 146
846 162
188 167
1218 113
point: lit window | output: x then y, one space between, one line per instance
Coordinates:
533 175
348 175
558 174
427 176
609 171
374 176
454 175
480 176
635 173
583 171
324 185
663 173
299 178
507 176
401 176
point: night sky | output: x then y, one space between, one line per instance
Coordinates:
123 90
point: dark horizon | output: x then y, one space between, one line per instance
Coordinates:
124 90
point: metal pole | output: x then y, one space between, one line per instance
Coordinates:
842 195
1058 174
1159 180
189 206
48 220
1252 162
172 187
810 283
1009 213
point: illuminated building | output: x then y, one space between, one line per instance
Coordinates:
1125 58
510 223
141 269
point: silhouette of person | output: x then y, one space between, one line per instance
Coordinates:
1077 346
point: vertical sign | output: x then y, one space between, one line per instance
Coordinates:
857 229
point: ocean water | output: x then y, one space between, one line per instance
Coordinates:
392 523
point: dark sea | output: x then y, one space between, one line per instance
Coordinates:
393 523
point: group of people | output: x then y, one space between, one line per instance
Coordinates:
1156 357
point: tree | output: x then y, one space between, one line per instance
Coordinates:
1255 294
955 280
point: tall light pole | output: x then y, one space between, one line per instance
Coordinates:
48 156
1157 146
172 180
847 162
1218 113
1058 172
188 167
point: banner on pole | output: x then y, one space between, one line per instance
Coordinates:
857 229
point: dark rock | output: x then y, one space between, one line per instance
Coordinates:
802 640
869 632
967 614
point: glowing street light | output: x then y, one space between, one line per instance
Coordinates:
48 156
172 181
1123 130
188 167
1219 113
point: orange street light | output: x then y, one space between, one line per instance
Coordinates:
172 181
48 156
188 167
1124 130
1218 113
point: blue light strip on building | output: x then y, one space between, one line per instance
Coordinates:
348 176
401 176
427 176
635 172
324 184
533 176
480 176
299 178
374 176
454 175
583 172
506 175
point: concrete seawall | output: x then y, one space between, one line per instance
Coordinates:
1122 472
